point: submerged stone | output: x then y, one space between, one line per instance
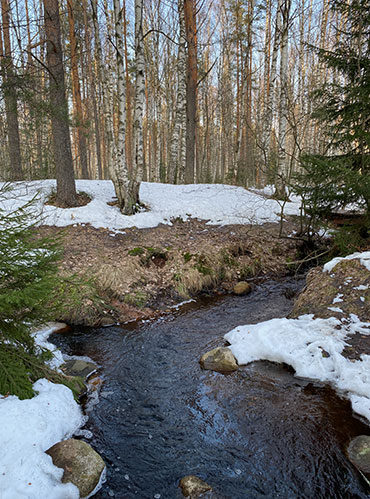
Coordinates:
81 464
242 288
220 359
193 486
78 367
359 453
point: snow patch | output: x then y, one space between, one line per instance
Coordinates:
364 258
27 429
217 203
313 347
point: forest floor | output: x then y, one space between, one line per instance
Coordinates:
142 272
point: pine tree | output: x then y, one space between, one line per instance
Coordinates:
341 175
29 285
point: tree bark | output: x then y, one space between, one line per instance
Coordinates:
76 90
177 163
191 88
66 188
139 91
282 169
10 96
127 190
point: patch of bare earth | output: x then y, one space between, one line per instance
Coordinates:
339 293
141 272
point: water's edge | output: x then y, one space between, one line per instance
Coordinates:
259 432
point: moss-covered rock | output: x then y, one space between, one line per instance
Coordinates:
192 486
81 464
220 359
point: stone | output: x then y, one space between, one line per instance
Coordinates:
220 359
192 486
242 288
81 464
359 453
107 321
78 367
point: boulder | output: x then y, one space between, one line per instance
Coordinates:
242 288
78 367
359 453
192 486
81 464
220 359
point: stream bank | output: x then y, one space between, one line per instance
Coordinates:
138 274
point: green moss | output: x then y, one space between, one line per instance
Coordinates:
136 251
187 256
137 299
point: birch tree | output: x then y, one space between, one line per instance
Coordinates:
127 189
282 167
178 142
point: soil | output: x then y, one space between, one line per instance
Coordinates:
141 273
343 292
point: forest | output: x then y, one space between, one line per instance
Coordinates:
184 248
229 91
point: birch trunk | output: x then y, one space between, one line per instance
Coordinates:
282 169
178 142
139 92
127 190
270 104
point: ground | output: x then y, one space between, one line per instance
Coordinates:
140 273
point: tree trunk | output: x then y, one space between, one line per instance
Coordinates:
177 163
10 96
66 189
139 91
127 190
282 169
191 88
76 90
270 101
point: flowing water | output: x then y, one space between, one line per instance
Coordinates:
257 433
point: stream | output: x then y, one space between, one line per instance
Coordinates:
257 433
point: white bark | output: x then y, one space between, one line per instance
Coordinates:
139 92
126 190
178 143
282 167
270 104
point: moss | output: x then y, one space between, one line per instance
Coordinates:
137 298
136 251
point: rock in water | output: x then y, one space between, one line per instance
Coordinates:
359 453
242 288
78 367
193 487
219 359
82 465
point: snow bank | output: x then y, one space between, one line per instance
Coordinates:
364 258
41 336
219 204
27 429
313 347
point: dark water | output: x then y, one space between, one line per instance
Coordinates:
259 432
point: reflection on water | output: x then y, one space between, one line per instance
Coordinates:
259 432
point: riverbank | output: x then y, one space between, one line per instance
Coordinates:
141 273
